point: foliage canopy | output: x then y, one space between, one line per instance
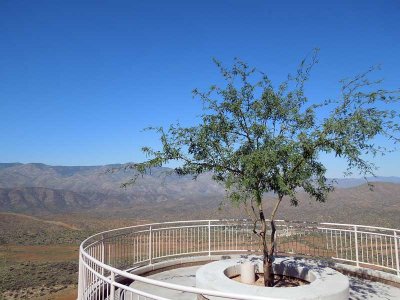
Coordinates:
257 138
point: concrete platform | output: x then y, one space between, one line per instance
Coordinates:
183 276
359 289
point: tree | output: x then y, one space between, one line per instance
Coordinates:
257 138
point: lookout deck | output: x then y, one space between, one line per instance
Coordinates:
360 289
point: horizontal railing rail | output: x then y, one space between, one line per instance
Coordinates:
107 259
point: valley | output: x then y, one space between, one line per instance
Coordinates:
46 212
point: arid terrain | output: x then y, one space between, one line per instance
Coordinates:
45 212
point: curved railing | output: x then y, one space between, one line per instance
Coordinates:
108 260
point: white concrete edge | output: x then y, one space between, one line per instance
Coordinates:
368 272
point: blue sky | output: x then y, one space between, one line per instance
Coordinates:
80 79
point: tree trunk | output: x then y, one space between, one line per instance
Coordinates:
269 257
269 269
268 273
266 268
267 263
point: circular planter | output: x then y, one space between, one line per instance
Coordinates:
325 283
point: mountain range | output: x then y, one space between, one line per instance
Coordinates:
39 188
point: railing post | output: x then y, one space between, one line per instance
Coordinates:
150 248
356 242
80 278
209 238
112 290
396 249
102 253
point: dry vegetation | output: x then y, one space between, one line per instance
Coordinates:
28 280
33 254
39 254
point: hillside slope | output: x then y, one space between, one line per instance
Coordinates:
98 185
45 190
38 199
356 205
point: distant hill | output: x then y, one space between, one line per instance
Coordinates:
97 178
97 187
42 189
352 182
356 205
8 165
38 199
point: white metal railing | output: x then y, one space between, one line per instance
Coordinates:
107 259
364 245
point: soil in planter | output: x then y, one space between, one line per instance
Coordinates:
280 280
